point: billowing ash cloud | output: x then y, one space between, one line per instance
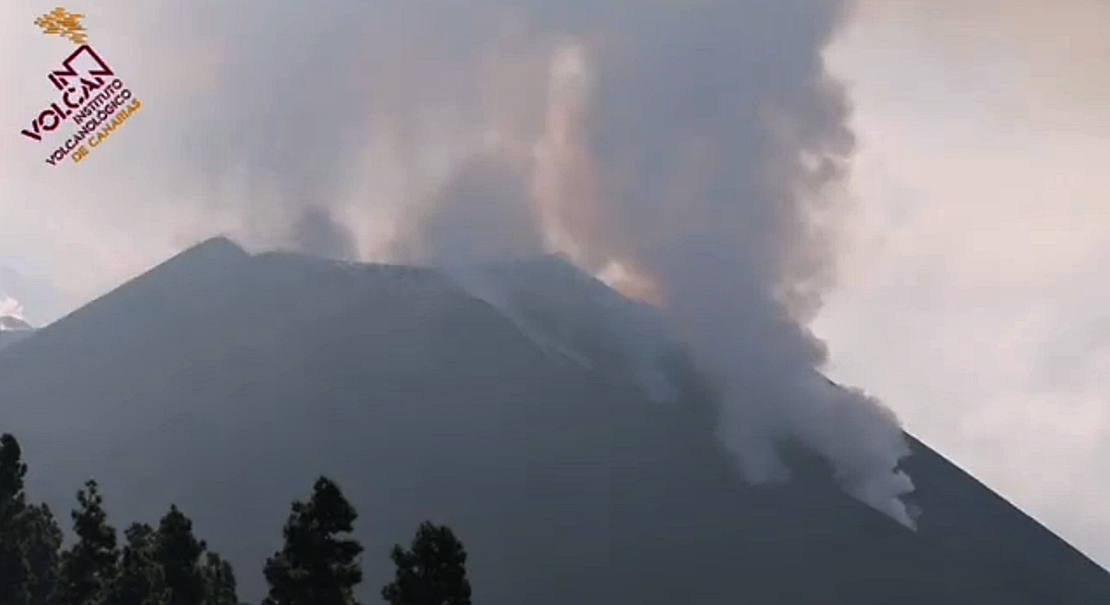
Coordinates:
711 138
698 144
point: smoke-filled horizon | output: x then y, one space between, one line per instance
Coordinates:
697 147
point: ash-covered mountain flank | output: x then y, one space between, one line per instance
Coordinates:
226 382
13 328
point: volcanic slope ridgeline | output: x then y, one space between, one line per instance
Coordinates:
13 329
225 383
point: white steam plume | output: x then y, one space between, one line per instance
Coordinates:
698 145
10 307
708 152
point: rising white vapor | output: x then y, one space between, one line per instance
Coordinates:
10 307
692 149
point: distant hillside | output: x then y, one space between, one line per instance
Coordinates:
13 329
225 383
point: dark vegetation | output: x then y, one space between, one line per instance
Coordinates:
318 564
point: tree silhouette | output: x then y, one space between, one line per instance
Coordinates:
431 572
219 580
42 545
178 552
89 567
316 565
14 572
140 580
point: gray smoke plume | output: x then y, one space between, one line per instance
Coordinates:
318 234
480 215
697 145
712 137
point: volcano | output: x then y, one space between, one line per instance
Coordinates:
225 382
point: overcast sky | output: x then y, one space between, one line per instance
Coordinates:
973 289
975 300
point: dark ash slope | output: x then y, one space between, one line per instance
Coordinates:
225 383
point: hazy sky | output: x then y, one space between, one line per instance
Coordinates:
972 291
975 300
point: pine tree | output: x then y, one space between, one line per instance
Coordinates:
179 552
89 567
139 580
432 572
219 579
140 536
316 565
42 550
14 572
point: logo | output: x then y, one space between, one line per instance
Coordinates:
65 24
86 93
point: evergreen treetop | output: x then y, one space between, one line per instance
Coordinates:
14 572
88 569
317 565
431 572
